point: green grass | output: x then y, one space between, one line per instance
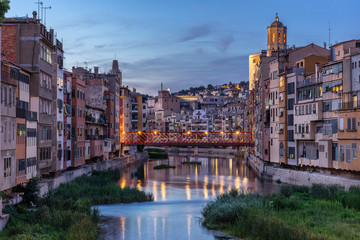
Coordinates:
297 212
155 153
163 166
67 213
190 163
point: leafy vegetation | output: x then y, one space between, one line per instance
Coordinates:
67 212
155 153
297 212
4 7
191 163
163 166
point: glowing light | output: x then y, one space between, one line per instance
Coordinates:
237 183
222 132
138 186
206 133
139 132
188 132
155 190
188 193
163 191
221 189
189 225
123 132
155 132
122 222
206 195
237 132
122 183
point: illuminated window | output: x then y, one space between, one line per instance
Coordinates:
284 38
279 38
273 37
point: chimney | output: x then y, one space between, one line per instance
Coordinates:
34 16
134 90
325 45
294 46
96 70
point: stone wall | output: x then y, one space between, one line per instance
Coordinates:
46 185
297 177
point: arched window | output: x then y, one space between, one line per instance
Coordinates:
281 149
273 37
284 38
279 38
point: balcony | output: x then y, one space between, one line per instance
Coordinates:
45 93
95 137
309 81
92 120
31 116
6 78
20 113
314 112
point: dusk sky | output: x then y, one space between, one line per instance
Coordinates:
185 43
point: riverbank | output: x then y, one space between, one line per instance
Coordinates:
66 212
297 212
47 184
298 177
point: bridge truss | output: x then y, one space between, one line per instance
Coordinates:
188 138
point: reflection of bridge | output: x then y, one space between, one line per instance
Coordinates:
188 138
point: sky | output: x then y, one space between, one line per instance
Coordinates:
185 43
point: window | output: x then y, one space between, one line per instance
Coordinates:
291 102
7 167
342 153
290 120
273 37
353 146
347 153
341 127
21 165
291 88
291 152
275 75
45 53
291 135
45 153
334 151
21 130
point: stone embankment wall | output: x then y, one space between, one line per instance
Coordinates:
204 152
297 177
48 184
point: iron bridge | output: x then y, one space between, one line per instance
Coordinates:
188 138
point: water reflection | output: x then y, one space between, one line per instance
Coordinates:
179 195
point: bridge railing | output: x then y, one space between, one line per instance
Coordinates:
187 138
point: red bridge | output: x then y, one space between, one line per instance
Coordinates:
188 138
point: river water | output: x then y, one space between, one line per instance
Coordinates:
179 195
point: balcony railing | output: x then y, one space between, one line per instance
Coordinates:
31 116
5 77
95 137
20 113
90 119
309 81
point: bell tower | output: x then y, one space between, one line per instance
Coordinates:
276 36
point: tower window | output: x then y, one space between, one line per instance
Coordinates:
279 38
273 37
284 38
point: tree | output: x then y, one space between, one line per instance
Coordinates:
210 87
4 7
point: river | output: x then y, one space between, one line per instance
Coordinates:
179 195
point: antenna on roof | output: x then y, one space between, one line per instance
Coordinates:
39 3
45 13
329 33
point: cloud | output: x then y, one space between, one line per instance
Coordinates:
196 32
100 46
225 43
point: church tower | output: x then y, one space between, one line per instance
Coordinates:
276 36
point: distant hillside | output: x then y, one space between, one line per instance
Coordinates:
194 90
